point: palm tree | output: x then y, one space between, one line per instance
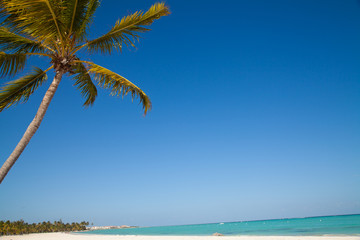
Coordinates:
57 29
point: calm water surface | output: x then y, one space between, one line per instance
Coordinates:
329 225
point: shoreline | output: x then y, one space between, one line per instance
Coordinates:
80 236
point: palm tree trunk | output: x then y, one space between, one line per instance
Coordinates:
33 127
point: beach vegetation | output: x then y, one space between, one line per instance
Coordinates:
21 227
58 31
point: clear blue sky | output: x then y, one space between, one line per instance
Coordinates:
256 115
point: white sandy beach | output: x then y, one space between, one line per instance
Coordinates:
72 236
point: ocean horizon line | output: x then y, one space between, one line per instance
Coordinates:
346 224
240 221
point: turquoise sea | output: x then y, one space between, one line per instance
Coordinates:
327 225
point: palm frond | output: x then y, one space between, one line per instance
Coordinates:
117 84
38 18
77 15
11 64
126 31
86 21
73 14
20 90
15 43
84 83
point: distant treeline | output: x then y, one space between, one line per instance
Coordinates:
21 227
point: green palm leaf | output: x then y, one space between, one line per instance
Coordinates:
126 31
20 90
38 18
12 42
76 16
87 19
73 14
10 64
118 85
84 84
